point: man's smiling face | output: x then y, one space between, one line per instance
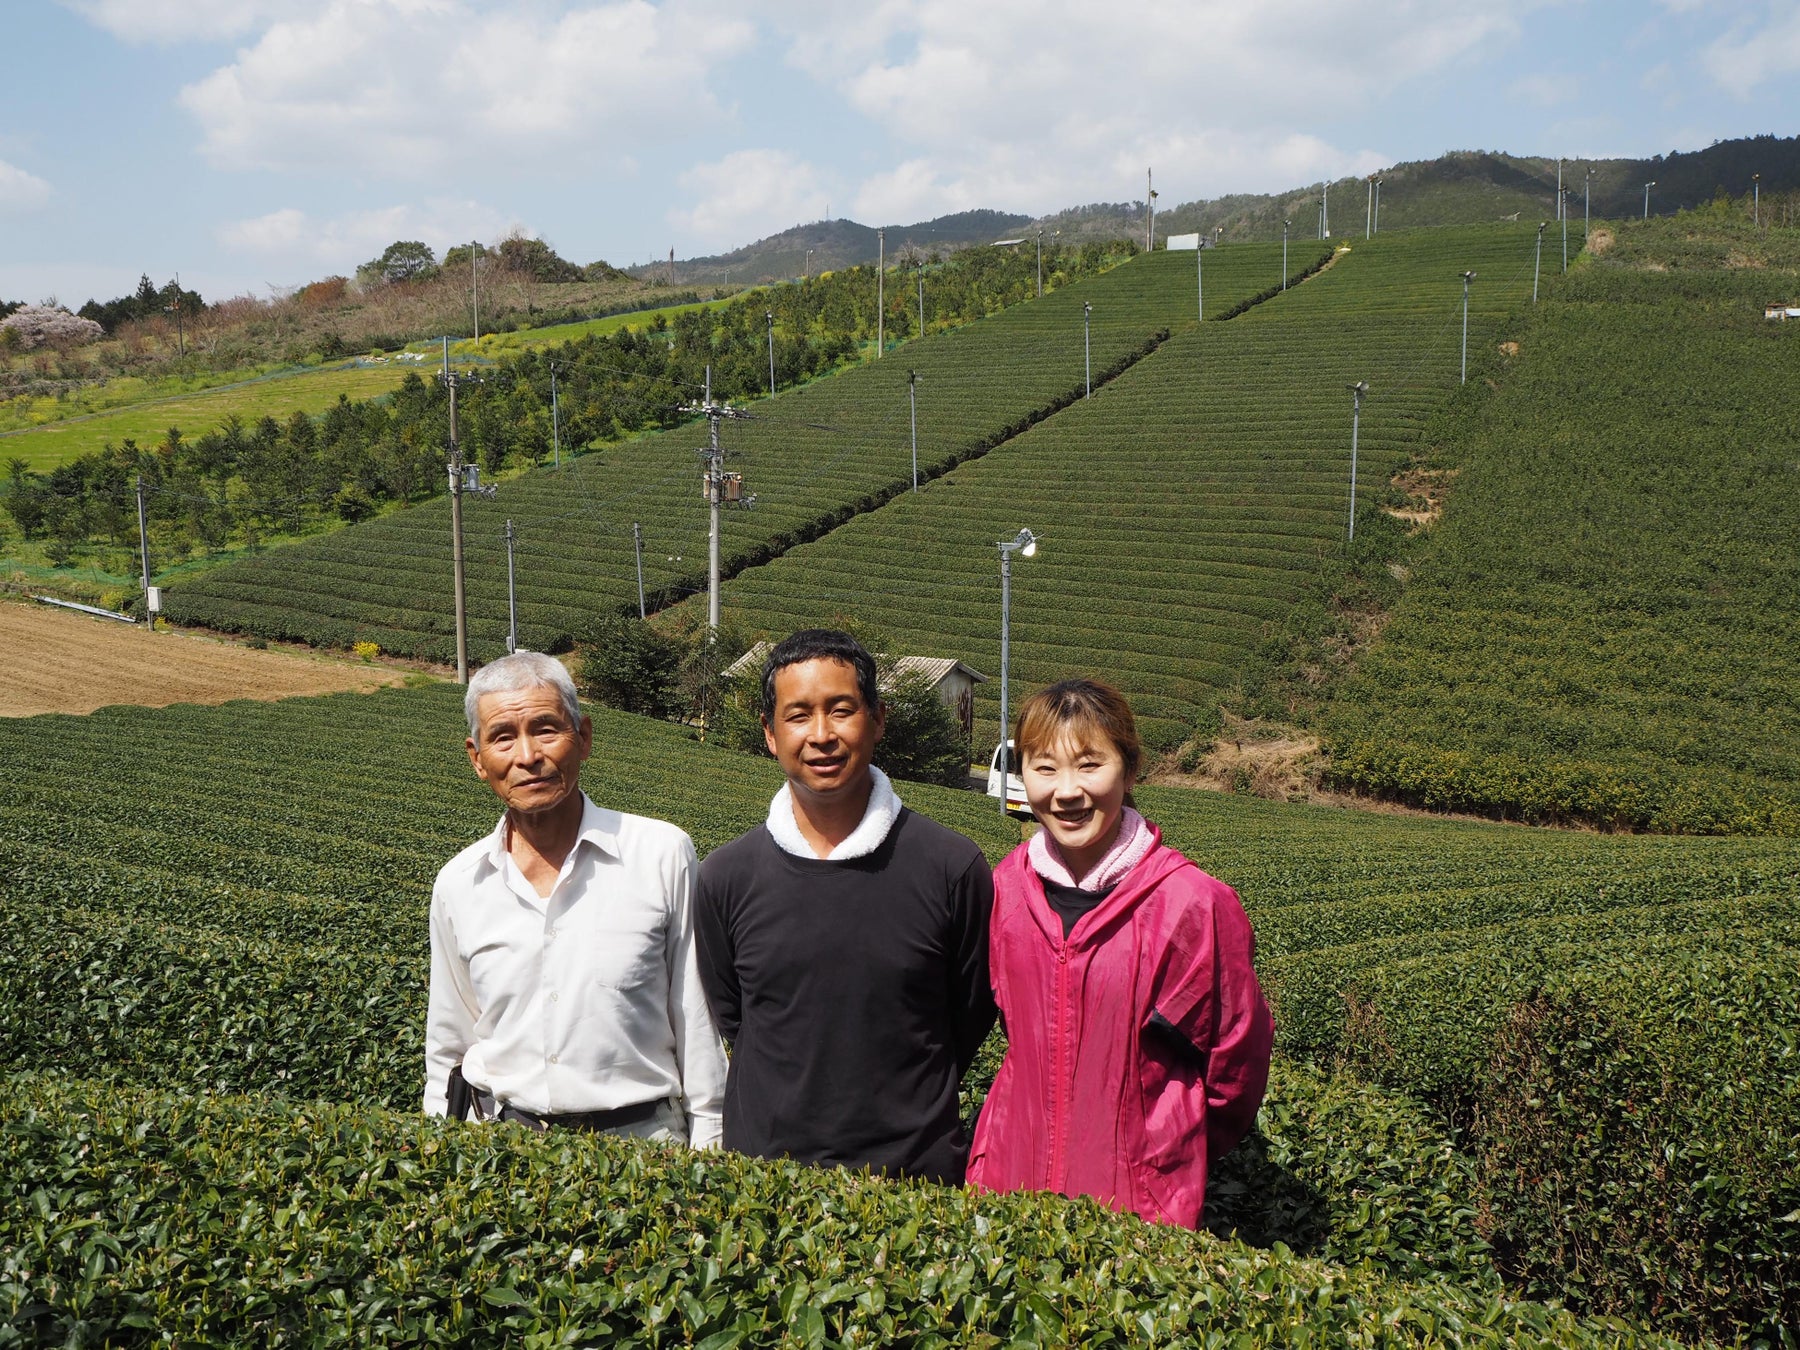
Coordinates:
821 730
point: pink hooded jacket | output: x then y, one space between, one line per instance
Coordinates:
1138 1047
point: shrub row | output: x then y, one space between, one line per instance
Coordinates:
813 456
125 1218
1644 796
1633 1108
1226 454
1599 629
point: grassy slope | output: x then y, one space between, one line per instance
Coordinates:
1186 506
1600 628
311 391
43 436
812 456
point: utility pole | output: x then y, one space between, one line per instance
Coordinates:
719 487
1647 187
475 294
1756 201
770 316
1284 265
637 545
1559 194
1369 211
454 380
1537 259
1087 347
1563 211
880 292
912 393
1378 183
512 603
1200 284
1149 215
1357 391
555 421
456 539
1467 278
1325 213
144 555
180 330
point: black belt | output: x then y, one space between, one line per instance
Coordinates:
635 1114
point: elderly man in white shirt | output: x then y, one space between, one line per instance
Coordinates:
563 972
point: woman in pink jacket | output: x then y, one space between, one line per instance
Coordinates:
1138 1037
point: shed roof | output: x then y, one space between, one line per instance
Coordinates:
934 669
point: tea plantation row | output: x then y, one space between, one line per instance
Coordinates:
127 1218
813 457
1602 629
232 900
1184 508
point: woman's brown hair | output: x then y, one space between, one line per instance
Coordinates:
1086 710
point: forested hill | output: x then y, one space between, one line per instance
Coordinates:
825 245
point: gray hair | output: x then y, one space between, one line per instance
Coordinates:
520 670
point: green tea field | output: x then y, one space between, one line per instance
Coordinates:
211 1008
813 457
1186 506
1603 625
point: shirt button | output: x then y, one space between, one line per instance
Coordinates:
554 997
553 1059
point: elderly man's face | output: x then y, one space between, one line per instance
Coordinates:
526 748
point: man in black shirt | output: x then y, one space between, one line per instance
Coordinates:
843 944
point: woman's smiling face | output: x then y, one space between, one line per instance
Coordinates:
1077 789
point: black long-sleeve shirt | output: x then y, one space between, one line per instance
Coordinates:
854 994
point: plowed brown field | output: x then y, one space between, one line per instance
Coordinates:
56 660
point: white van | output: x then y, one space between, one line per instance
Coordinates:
1016 805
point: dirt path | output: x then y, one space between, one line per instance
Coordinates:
55 660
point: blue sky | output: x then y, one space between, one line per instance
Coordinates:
250 144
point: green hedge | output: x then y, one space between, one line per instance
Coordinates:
1646 796
1633 1107
126 1219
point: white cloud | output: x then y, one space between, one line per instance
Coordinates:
406 87
21 191
182 20
1745 57
749 194
1001 102
293 239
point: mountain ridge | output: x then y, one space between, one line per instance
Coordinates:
1459 187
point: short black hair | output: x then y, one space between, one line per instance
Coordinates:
815 644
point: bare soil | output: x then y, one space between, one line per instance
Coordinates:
56 660
1253 757
1427 489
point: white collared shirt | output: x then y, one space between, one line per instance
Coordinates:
587 999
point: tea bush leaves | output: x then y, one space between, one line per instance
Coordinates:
231 900
1186 507
1600 629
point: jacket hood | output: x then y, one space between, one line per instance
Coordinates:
1157 865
